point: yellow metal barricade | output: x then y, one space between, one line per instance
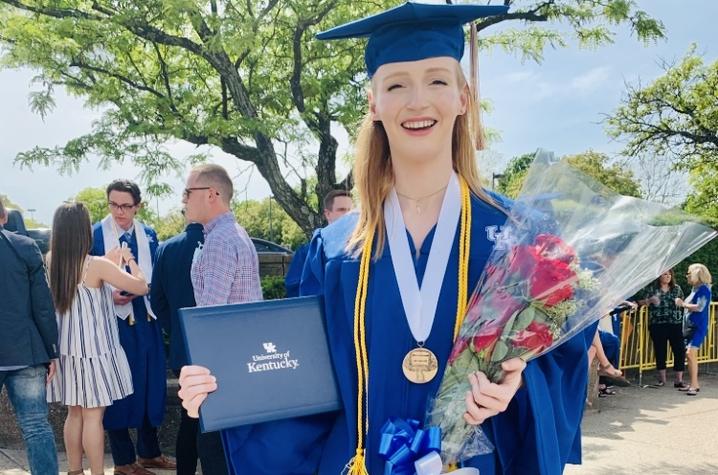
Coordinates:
636 350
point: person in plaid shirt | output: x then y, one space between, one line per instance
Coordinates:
225 270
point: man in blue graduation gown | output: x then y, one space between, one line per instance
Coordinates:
171 290
140 337
337 203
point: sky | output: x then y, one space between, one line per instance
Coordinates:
556 105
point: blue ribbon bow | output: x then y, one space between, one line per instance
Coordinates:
403 443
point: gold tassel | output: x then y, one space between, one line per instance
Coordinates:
357 465
480 139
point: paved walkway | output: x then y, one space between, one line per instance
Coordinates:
657 431
14 462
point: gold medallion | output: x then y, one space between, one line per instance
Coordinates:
420 365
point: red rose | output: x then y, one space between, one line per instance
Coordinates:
522 260
552 282
486 337
536 337
458 348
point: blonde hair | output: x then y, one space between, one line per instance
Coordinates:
700 273
374 176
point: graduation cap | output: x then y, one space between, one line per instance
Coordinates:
412 32
416 31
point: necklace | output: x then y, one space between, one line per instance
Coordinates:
419 200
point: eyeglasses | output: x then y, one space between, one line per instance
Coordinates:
188 191
125 208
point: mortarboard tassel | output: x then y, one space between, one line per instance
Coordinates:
474 83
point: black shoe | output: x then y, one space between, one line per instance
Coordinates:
680 385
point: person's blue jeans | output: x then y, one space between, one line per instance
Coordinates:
26 390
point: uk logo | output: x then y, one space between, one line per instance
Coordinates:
269 347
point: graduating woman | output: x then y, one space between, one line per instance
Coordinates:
395 277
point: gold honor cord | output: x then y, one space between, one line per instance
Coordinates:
357 465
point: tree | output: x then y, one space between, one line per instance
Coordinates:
247 78
593 164
169 225
703 200
512 179
95 200
674 120
267 220
673 117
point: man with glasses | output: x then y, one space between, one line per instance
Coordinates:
140 336
225 271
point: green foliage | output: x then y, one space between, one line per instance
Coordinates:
169 225
248 79
95 200
513 177
273 287
674 116
267 220
614 177
703 200
708 256
593 164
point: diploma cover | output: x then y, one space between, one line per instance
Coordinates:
271 360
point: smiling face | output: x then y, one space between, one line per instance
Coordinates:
417 102
666 277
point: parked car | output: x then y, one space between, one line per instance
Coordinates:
263 247
16 224
274 259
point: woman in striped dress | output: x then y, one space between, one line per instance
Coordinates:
93 370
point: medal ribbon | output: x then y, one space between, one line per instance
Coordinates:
357 465
420 303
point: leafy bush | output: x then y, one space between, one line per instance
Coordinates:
273 287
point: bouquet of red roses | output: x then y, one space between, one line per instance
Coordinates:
570 251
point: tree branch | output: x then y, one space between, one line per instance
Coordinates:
165 77
528 15
141 87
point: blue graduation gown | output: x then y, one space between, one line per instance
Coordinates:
144 348
172 287
538 433
294 274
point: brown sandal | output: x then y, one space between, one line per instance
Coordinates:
76 472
